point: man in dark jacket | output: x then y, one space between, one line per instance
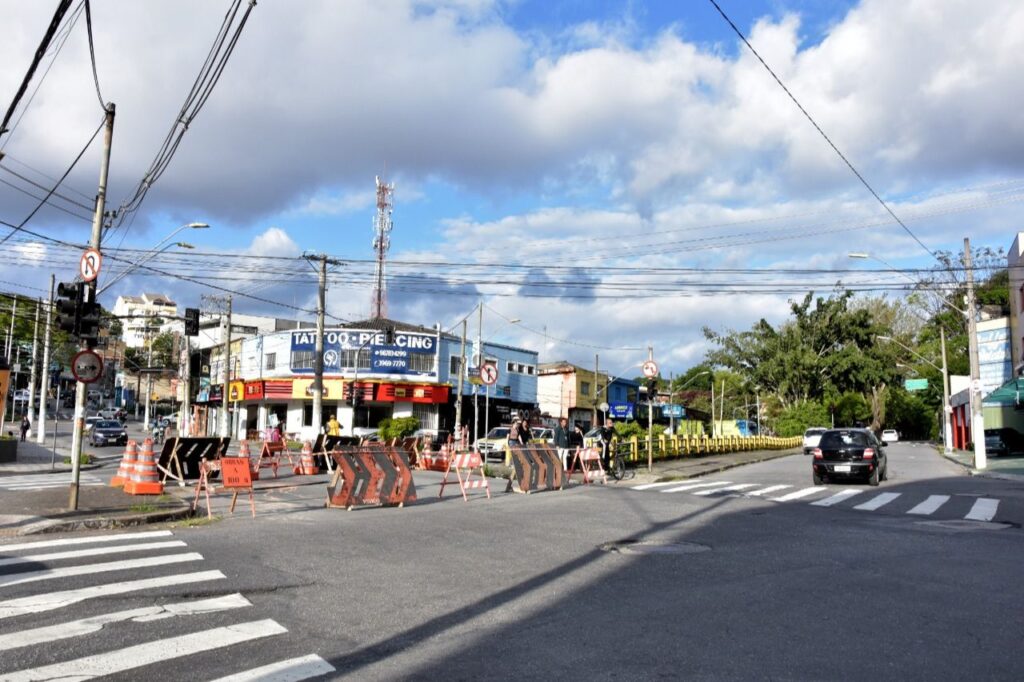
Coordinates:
605 438
562 441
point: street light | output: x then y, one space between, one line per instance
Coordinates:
153 253
947 428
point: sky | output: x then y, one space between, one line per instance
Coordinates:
567 164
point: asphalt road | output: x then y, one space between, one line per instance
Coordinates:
734 584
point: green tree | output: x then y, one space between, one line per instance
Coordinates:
796 419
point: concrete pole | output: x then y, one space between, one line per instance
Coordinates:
97 235
318 359
185 419
10 333
225 427
977 417
462 373
479 363
947 411
34 376
43 389
593 393
650 419
149 379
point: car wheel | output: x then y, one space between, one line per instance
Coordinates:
818 480
873 478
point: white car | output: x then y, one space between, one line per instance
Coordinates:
890 436
91 422
812 437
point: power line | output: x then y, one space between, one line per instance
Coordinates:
92 54
822 132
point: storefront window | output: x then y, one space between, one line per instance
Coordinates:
348 358
421 362
303 359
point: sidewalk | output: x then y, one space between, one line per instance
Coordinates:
1003 467
691 467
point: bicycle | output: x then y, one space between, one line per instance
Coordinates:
617 462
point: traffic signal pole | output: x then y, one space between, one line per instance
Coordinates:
94 242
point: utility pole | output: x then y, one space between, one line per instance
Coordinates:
94 242
185 419
34 376
10 333
650 419
479 363
947 427
593 410
462 372
43 389
317 388
225 429
149 374
977 418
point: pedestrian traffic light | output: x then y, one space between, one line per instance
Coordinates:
191 321
88 320
68 305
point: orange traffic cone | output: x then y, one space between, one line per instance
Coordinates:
306 467
127 466
243 451
144 479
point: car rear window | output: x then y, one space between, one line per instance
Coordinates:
108 425
839 439
814 432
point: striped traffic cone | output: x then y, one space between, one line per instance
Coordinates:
144 479
243 451
307 466
127 466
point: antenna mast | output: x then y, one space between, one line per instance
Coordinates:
381 243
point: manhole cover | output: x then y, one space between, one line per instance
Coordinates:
963 524
653 547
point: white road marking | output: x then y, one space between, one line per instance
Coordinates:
148 653
878 501
52 573
692 486
92 551
797 494
648 486
117 537
44 481
841 496
738 486
929 506
984 509
38 603
292 670
765 491
87 626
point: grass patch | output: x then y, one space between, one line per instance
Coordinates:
195 522
85 458
143 508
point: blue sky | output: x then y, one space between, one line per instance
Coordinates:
565 140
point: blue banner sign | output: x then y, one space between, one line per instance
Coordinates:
676 411
384 359
620 410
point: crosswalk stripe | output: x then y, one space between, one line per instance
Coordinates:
648 486
46 486
116 537
797 494
837 498
929 506
692 486
92 551
88 569
765 491
292 670
728 488
984 509
157 651
878 501
87 626
49 601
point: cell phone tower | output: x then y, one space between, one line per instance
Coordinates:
381 243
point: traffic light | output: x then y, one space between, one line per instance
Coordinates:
88 320
652 389
355 398
191 321
68 304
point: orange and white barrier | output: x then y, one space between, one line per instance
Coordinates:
466 463
144 479
236 475
127 466
589 460
307 465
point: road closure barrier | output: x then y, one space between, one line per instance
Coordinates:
180 458
271 454
236 476
144 479
467 463
535 466
589 461
306 465
127 465
372 474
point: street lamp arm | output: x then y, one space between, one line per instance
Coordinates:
909 350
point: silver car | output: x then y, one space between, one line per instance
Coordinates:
812 437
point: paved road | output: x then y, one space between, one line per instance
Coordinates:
728 585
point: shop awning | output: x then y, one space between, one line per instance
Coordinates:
1009 394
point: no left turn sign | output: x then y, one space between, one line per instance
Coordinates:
650 369
489 374
89 266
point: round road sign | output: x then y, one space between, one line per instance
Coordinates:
650 369
603 407
87 366
89 266
489 374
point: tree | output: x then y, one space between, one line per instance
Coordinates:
165 351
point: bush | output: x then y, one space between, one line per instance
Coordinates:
399 427
793 421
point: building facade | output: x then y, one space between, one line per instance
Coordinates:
142 315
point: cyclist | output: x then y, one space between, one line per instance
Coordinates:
604 437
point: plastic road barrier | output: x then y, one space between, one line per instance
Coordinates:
466 463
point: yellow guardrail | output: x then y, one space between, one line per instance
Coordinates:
669 447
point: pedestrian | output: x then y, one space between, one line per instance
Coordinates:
605 436
333 427
576 436
464 436
25 426
515 434
562 441
525 432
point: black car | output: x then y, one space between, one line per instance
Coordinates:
106 432
850 453
1003 441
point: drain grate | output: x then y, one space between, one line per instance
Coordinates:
653 547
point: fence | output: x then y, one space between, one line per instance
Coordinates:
670 447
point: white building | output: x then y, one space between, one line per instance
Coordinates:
136 313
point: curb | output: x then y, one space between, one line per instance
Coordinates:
971 471
723 467
105 522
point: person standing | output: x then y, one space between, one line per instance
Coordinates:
515 434
606 434
333 427
25 426
562 441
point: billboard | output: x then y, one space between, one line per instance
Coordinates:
404 356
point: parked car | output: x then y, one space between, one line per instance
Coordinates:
1005 441
543 435
91 422
849 453
493 444
107 432
811 438
893 436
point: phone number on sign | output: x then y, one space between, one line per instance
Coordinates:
392 353
394 364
